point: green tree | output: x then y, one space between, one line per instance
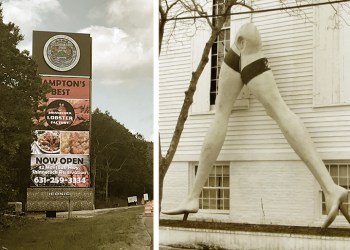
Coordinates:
121 162
20 92
136 177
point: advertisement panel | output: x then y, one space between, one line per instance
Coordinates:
60 171
68 87
60 146
63 114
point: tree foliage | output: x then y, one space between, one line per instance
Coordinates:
20 92
122 162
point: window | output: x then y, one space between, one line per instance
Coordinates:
206 92
216 191
340 173
219 50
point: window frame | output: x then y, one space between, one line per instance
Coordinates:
207 187
219 50
201 101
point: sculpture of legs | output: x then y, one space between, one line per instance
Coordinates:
230 85
265 90
263 87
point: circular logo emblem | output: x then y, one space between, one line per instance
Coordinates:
60 114
61 53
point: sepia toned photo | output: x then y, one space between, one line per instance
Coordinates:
76 124
253 124
174 124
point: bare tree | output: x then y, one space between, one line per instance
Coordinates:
109 168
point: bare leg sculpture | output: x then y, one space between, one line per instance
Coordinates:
230 85
263 87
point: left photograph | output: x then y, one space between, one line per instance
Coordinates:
76 124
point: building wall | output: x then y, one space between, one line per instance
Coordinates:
237 240
272 192
262 192
254 145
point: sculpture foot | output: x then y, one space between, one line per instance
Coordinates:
334 203
185 208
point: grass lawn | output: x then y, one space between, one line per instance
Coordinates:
114 230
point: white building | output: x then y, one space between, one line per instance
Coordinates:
258 178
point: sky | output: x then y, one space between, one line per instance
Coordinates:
122 49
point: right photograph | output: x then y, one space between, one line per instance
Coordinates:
254 124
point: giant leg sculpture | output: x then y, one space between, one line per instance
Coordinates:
230 85
260 80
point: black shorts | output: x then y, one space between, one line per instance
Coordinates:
250 71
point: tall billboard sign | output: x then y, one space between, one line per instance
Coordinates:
60 149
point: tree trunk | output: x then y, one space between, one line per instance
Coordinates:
94 178
106 187
162 173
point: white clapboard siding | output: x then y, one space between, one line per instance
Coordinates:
174 75
288 42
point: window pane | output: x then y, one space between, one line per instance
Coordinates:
226 193
214 61
219 182
220 204
212 194
213 86
213 76
226 204
212 182
212 98
212 204
214 49
343 170
334 170
219 171
226 182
